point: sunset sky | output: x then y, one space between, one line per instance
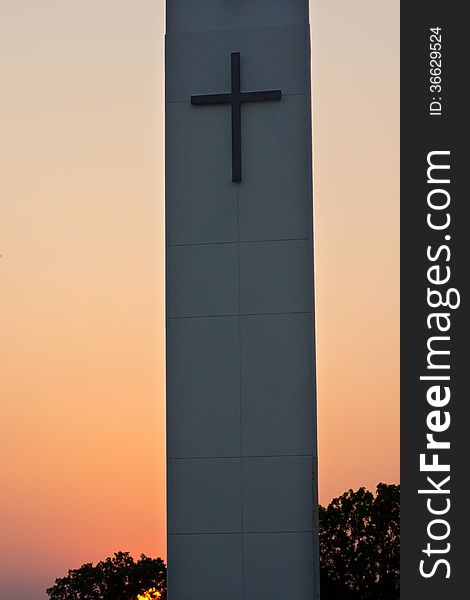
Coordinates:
82 442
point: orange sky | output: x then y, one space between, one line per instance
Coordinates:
81 238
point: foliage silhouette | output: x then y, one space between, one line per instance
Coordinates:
360 545
359 556
116 578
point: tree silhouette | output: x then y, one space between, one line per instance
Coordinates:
116 578
360 545
359 557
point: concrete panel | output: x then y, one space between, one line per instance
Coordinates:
201 200
205 495
202 280
276 277
279 567
205 566
276 195
203 15
277 494
271 58
203 382
277 364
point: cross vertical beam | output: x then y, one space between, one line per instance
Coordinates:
236 119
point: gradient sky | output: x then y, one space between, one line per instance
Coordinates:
81 273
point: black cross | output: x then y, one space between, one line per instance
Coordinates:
235 98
